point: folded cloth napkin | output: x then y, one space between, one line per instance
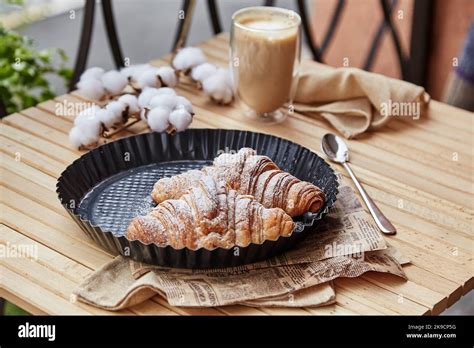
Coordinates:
353 100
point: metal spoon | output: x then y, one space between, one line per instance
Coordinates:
337 151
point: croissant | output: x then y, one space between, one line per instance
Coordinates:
210 215
248 174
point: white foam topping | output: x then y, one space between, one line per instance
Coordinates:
262 24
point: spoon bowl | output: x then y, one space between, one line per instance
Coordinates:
335 148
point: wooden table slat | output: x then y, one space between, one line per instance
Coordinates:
31 157
426 297
53 267
450 289
26 171
42 146
369 293
437 265
37 296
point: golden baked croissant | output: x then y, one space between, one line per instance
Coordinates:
210 215
249 174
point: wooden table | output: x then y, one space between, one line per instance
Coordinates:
420 173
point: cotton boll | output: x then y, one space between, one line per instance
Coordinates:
226 75
92 73
84 134
146 95
116 107
133 71
180 119
139 70
108 118
91 127
85 114
165 90
228 79
227 97
168 76
203 71
89 136
158 119
148 78
218 87
91 88
144 114
167 101
87 127
114 82
218 94
131 101
127 72
185 103
188 57
75 137
78 138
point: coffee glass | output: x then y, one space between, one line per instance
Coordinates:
265 47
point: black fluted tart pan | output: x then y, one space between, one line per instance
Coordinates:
107 187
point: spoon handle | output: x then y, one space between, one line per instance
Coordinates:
382 222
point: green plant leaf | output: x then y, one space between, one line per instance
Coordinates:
23 70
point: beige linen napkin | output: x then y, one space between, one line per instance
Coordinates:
353 100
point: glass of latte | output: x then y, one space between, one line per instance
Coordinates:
265 57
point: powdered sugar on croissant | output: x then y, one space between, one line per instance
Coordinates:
210 216
249 174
